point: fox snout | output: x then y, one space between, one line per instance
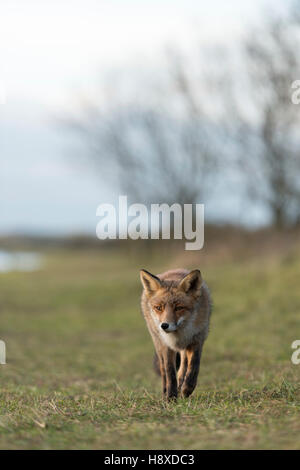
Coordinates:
169 327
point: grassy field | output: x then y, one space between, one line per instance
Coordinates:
79 358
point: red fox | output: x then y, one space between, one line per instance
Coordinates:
177 308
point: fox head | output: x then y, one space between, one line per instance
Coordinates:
172 303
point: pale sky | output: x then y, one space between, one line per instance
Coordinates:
51 51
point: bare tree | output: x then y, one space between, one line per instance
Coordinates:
163 148
267 120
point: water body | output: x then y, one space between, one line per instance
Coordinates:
19 261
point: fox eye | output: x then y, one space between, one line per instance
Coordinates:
179 307
158 308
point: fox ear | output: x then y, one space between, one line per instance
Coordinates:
150 282
191 283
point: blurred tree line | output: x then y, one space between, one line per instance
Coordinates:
202 114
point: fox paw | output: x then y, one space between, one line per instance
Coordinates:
172 395
186 392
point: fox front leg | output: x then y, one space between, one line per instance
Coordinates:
193 365
182 369
169 358
162 374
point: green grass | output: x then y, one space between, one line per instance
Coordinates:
79 357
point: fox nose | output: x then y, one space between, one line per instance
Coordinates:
165 326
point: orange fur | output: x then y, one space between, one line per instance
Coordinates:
177 307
